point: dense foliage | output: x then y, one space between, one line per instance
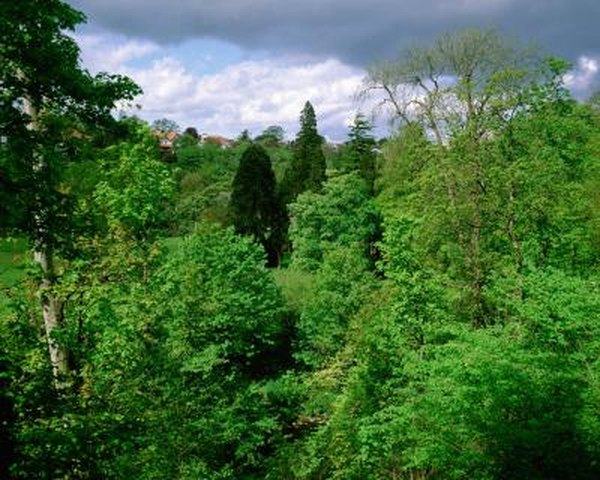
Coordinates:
436 314
307 169
255 205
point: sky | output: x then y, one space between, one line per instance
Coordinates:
223 66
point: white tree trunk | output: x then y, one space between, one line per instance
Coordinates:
53 318
52 311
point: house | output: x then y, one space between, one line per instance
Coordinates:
166 140
217 140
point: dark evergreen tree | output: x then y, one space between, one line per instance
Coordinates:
192 132
307 170
255 205
361 152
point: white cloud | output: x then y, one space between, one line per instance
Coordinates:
250 94
256 94
109 53
583 77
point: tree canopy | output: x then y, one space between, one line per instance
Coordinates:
434 313
307 169
255 204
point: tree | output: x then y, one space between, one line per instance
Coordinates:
48 102
189 138
255 205
361 146
217 326
243 137
468 80
462 92
342 215
271 136
307 169
134 188
192 132
165 125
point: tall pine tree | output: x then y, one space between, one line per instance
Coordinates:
255 205
360 150
307 170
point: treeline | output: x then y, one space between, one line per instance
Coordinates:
434 312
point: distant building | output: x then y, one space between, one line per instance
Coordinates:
166 140
217 140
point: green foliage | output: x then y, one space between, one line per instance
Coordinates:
135 188
42 82
12 272
165 125
498 205
480 405
271 136
342 215
448 328
255 205
361 153
297 286
204 174
222 300
550 166
340 288
307 169
500 402
219 320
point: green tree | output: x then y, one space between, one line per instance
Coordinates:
361 150
495 81
307 169
204 175
103 281
342 215
255 205
271 136
48 102
192 132
165 125
198 351
134 188
243 137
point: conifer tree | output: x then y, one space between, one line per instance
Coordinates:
360 145
255 206
307 170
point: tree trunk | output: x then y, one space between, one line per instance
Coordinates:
52 313
52 306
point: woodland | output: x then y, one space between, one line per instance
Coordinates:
424 306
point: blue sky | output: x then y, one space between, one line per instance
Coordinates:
226 65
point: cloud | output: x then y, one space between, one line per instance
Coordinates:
582 79
108 53
355 31
250 94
